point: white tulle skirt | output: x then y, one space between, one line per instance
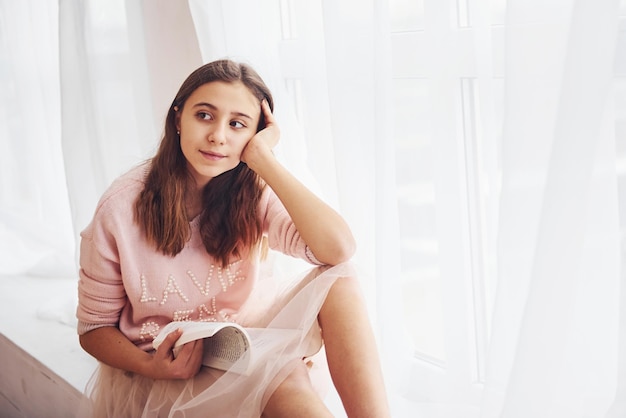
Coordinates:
115 393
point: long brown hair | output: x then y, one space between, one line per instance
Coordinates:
231 225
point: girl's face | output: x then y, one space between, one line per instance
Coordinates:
215 124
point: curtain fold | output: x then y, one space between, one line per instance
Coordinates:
82 141
35 221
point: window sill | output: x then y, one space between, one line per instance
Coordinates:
43 366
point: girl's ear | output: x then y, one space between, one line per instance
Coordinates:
177 118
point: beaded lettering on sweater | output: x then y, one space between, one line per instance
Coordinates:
226 277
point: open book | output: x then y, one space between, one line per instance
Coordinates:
227 345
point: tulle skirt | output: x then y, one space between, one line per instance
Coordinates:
212 393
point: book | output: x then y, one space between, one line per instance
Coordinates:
227 345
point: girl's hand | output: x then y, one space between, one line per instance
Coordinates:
185 366
259 148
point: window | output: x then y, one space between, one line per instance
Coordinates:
447 175
445 166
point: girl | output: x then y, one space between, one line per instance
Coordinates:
181 238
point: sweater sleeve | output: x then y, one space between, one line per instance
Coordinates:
281 231
101 294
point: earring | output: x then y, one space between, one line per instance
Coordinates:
178 132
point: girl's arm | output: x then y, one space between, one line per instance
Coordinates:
325 232
110 346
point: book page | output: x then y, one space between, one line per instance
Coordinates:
193 331
225 347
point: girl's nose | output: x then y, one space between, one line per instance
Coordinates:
218 134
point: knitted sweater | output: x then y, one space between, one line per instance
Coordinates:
126 282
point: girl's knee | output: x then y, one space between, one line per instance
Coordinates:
346 287
295 396
297 381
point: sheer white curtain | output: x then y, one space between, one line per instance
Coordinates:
554 348
550 118
35 226
121 65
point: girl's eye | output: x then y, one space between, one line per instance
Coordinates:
237 124
204 116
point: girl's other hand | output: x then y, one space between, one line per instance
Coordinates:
260 145
185 366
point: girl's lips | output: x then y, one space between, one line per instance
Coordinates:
212 155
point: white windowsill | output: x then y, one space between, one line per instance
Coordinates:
44 369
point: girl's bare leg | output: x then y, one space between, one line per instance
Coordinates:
352 358
296 397
351 351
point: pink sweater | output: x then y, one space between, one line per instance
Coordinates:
126 282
